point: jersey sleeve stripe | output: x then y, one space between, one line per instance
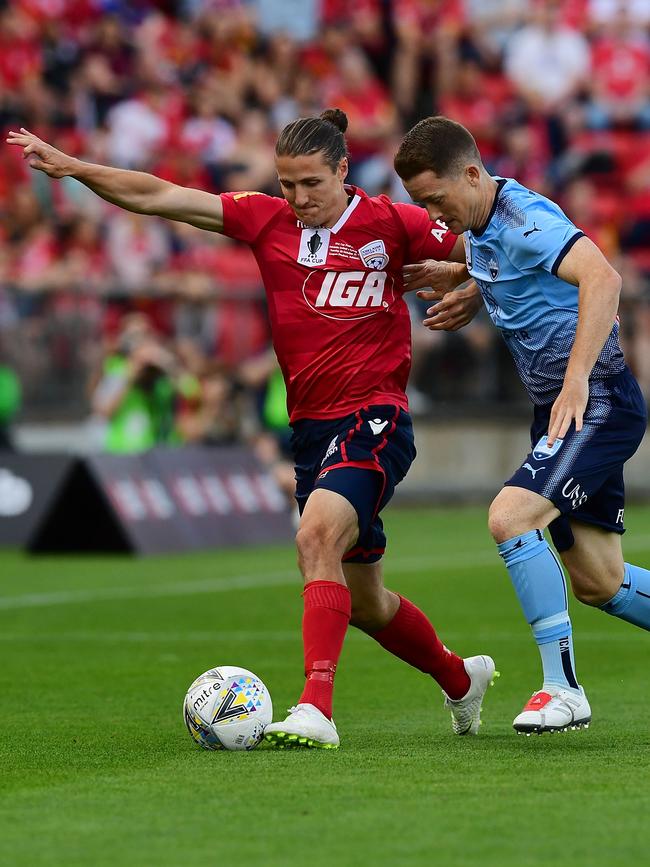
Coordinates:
565 250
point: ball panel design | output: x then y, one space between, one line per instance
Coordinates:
200 732
227 708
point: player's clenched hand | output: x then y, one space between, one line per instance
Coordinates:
454 310
440 277
41 155
570 404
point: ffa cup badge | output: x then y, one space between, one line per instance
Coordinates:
314 244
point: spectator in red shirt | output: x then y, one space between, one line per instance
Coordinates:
427 34
548 65
522 154
581 199
619 76
107 68
371 116
547 62
20 49
468 102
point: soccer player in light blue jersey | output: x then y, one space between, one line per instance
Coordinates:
554 298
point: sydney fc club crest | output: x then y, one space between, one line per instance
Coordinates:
542 450
373 255
493 266
314 245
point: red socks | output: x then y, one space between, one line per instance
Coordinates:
324 623
411 637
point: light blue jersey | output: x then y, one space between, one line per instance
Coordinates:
514 261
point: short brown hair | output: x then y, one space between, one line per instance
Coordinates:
436 144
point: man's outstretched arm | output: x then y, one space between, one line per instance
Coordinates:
135 191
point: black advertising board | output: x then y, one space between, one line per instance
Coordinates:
165 500
29 484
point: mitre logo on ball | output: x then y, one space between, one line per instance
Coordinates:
348 294
374 255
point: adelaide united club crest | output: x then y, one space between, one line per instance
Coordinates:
374 255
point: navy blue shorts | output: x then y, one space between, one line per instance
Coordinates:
362 457
582 475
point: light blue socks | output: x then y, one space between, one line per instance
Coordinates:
632 602
539 583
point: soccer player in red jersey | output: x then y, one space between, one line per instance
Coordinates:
332 261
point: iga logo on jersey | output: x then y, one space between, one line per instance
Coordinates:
348 294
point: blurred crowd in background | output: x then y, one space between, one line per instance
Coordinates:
158 329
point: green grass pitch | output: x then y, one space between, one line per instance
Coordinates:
97 768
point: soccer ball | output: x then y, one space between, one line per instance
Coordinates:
227 708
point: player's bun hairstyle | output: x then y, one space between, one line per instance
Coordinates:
311 135
436 144
336 116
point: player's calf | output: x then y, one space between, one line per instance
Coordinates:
590 592
632 600
373 615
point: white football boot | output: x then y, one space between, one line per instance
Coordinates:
553 710
466 711
305 727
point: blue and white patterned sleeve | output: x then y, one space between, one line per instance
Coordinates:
544 241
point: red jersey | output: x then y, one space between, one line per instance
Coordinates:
341 328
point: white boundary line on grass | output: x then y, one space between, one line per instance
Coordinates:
253 581
233 636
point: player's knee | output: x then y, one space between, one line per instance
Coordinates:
511 515
500 523
317 540
309 542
